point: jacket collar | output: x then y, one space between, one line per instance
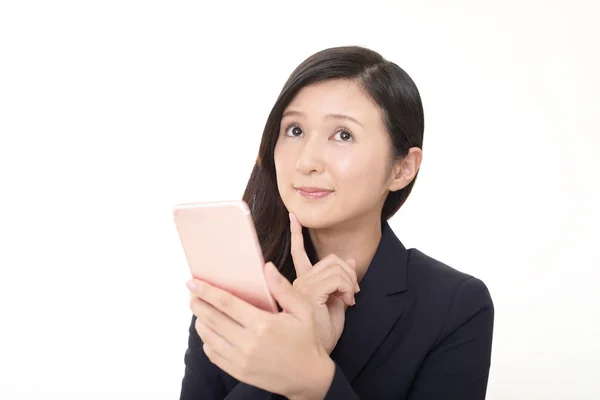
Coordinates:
387 272
378 305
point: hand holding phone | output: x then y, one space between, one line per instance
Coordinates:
221 247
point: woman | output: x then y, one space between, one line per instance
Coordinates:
365 317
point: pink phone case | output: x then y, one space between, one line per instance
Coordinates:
221 247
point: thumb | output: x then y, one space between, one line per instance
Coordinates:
282 290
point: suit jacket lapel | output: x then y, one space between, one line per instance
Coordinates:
378 306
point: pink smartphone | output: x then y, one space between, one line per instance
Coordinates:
221 247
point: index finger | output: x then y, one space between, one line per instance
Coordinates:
301 261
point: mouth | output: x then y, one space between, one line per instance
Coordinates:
313 192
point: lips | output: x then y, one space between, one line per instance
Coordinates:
313 192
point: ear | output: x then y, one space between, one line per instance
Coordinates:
404 170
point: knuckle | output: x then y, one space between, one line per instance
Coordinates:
208 351
248 351
245 365
351 273
202 332
300 285
224 301
330 258
201 290
195 306
207 320
261 328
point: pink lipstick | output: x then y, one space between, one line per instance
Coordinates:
313 192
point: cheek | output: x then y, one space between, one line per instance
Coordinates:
278 155
359 170
283 163
279 158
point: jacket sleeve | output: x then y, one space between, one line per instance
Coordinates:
202 379
340 388
458 365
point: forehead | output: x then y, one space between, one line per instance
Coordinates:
339 96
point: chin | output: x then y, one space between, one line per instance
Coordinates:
314 217
312 222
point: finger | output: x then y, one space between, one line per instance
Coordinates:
283 292
237 309
331 270
332 260
217 322
212 339
334 285
301 261
220 361
352 263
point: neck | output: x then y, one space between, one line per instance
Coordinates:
354 239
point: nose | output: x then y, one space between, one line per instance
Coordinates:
310 159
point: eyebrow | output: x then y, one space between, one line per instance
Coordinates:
333 116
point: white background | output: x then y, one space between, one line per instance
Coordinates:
111 112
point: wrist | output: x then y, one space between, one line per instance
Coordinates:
318 379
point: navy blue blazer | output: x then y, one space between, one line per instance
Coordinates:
419 330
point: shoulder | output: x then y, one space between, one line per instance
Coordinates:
445 290
425 273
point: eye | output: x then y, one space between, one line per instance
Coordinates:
293 131
344 136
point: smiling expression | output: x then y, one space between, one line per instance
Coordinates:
333 154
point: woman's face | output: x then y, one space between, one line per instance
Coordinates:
333 155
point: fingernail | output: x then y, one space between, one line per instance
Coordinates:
273 271
191 285
357 288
